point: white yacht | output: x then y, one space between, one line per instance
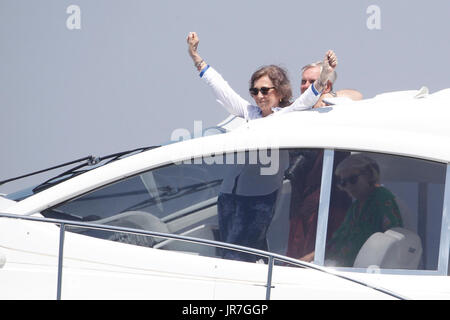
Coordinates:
143 224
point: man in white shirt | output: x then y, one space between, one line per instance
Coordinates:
310 74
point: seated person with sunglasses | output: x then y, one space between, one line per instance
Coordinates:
269 87
305 174
373 210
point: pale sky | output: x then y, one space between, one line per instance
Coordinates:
115 75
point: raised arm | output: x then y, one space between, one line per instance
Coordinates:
193 42
329 64
225 95
312 95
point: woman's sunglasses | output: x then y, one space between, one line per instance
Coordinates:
264 90
342 182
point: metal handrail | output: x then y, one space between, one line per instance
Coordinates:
272 257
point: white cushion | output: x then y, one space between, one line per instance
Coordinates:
397 248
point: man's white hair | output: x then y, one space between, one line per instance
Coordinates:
332 77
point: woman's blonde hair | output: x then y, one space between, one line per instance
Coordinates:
363 164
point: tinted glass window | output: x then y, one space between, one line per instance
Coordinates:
394 220
242 198
304 174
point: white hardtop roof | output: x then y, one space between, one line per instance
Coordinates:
399 123
403 123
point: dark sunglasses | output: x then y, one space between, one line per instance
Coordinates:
351 179
264 90
304 81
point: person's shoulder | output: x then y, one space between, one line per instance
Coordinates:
383 191
383 196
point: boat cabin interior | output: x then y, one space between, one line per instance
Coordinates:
181 198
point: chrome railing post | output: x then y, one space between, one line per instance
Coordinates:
269 277
60 260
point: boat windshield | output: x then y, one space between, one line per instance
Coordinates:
85 164
88 163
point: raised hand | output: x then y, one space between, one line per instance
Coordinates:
193 41
329 64
331 58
